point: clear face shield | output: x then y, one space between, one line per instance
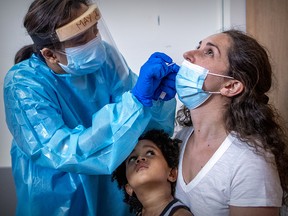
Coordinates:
80 32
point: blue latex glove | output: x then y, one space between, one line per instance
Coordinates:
167 90
150 77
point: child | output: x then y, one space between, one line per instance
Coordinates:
148 176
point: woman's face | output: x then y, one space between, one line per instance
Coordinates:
79 40
212 54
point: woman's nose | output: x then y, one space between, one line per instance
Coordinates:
189 56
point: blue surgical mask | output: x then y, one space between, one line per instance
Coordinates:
189 84
86 58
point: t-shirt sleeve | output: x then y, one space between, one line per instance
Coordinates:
255 181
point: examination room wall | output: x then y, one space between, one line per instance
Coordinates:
139 28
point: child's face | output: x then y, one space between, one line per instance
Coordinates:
146 165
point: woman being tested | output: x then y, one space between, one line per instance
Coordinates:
71 104
234 153
148 176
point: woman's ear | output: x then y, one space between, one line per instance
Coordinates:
49 55
232 88
129 189
173 175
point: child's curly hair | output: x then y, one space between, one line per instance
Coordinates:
170 150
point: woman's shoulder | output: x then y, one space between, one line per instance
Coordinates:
242 156
32 73
246 150
27 68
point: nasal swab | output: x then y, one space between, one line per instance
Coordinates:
163 94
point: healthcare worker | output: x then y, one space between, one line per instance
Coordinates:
75 112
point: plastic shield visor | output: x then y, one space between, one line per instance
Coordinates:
85 23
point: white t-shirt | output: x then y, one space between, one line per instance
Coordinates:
234 175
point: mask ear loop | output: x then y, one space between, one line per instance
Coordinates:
218 75
61 52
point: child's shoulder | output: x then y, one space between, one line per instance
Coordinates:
182 212
177 208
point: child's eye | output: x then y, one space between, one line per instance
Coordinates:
131 159
150 152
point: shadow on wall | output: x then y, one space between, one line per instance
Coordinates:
7 192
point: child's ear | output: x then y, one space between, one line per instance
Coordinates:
129 189
173 175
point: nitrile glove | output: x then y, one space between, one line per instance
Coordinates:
167 90
150 77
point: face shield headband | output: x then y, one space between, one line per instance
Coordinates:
72 29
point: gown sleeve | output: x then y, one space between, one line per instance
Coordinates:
41 134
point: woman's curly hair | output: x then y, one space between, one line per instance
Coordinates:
170 150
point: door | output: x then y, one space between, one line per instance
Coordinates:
267 21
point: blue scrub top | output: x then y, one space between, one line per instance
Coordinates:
70 133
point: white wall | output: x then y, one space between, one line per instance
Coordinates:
13 37
138 27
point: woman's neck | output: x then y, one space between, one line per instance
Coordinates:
208 122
